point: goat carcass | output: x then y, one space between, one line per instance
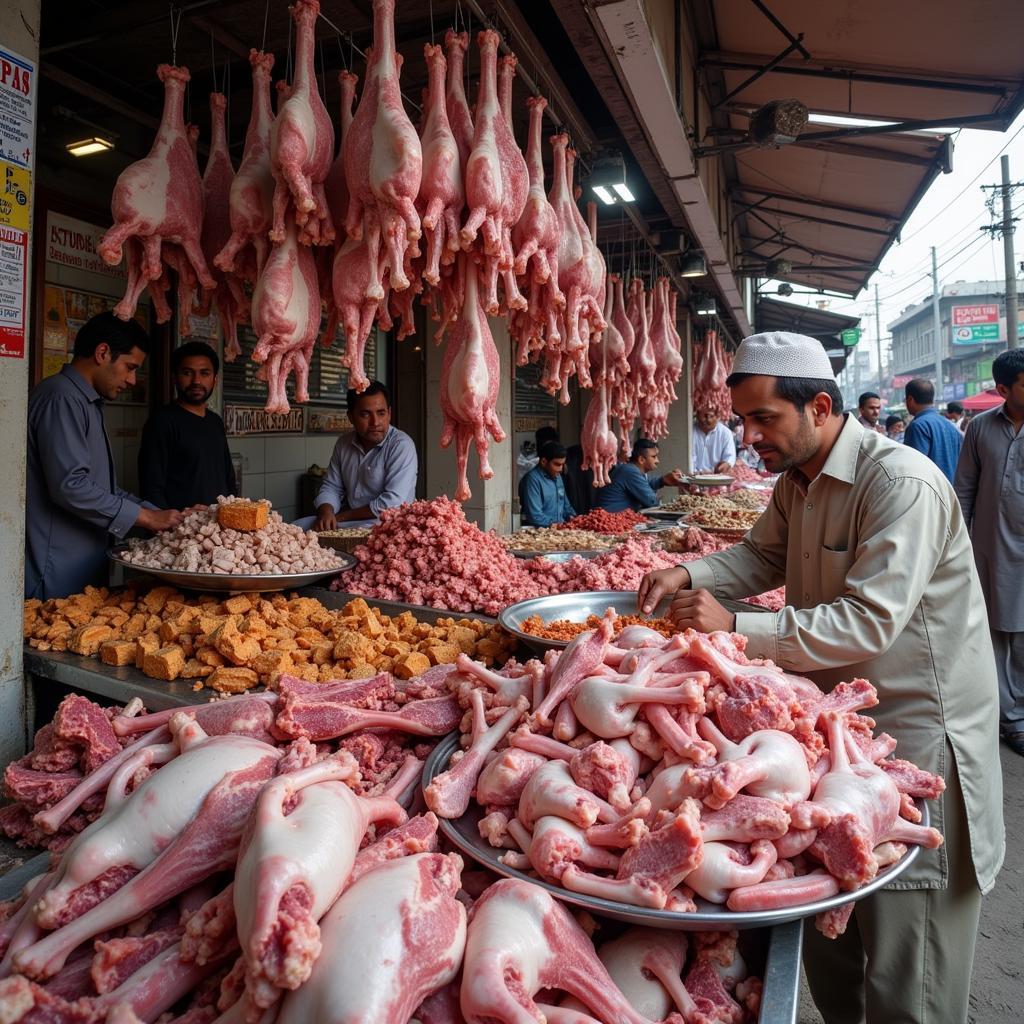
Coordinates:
158 200
598 440
470 376
456 44
286 318
251 205
383 163
441 191
496 183
302 141
219 176
418 931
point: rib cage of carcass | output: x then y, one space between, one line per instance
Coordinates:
305 236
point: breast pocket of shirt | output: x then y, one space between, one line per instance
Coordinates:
835 566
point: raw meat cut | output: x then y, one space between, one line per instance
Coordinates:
496 184
335 185
456 44
599 442
441 191
228 296
158 200
286 319
383 164
393 938
302 142
251 205
470 377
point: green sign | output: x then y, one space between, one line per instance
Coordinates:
851 336
975 334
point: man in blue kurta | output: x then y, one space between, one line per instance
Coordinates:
542 499
931 434
73 504
635 484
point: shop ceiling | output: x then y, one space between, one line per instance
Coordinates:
831 204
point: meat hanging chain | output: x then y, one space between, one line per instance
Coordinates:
306 237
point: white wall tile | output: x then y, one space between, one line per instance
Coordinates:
253 485
286 453
282 489
319 449
253 452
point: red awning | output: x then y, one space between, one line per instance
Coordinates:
979 403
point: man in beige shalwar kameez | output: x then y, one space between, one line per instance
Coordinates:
868 538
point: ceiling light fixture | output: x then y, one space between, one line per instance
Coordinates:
87 147
706 306
607 180
785 290
693 264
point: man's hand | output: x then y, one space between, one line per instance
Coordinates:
723 467
673 479
697 609
655 585
157 520
325 517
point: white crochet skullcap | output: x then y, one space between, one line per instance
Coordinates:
780 354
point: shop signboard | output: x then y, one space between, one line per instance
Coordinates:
959 390
17 135
948 391
71 242
240 420
850 336
902 380
975 325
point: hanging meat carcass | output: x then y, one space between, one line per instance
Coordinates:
667 358
596 438
456 44
470 376
286 318
623 396
157 200
711 368
497 182
535 240
383 163
302 142
251 204
228 297
441 195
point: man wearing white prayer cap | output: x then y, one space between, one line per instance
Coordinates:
868 538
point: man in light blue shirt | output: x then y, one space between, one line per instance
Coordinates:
542 499
634 484
73 505
372 468
931 434
714 447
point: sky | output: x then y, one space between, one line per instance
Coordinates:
948 217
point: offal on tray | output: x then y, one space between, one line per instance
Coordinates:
203 543
652 771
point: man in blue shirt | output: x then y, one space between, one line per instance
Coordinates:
634 484
372 468
542 499
931 434
73 504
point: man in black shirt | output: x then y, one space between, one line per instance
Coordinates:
184 458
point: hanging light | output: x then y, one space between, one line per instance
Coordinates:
785 290
89 146
706 305
693 264
607 180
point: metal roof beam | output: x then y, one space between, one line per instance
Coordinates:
791 197
819 220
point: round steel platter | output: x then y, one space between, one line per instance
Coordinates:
709 916
574 607
232 583
559 556
657 512
709 480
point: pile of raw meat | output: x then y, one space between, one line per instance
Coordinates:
600 520
655 772
428 553
307 232
255 860
200 544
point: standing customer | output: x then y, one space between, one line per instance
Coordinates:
869 539
73 504
184 458
895 428
955 415
990 485
869 411
714 447
931 434
372 468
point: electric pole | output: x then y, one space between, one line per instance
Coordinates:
1011 269
936 328
1005 228
878 340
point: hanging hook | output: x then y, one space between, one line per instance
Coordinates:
266 16
175 27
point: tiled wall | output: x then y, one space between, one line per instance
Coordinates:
271 465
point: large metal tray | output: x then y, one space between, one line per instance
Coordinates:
234 583
666 515
464 834
559 556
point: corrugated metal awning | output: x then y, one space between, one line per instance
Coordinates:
827 327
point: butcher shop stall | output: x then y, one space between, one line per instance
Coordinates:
435 767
